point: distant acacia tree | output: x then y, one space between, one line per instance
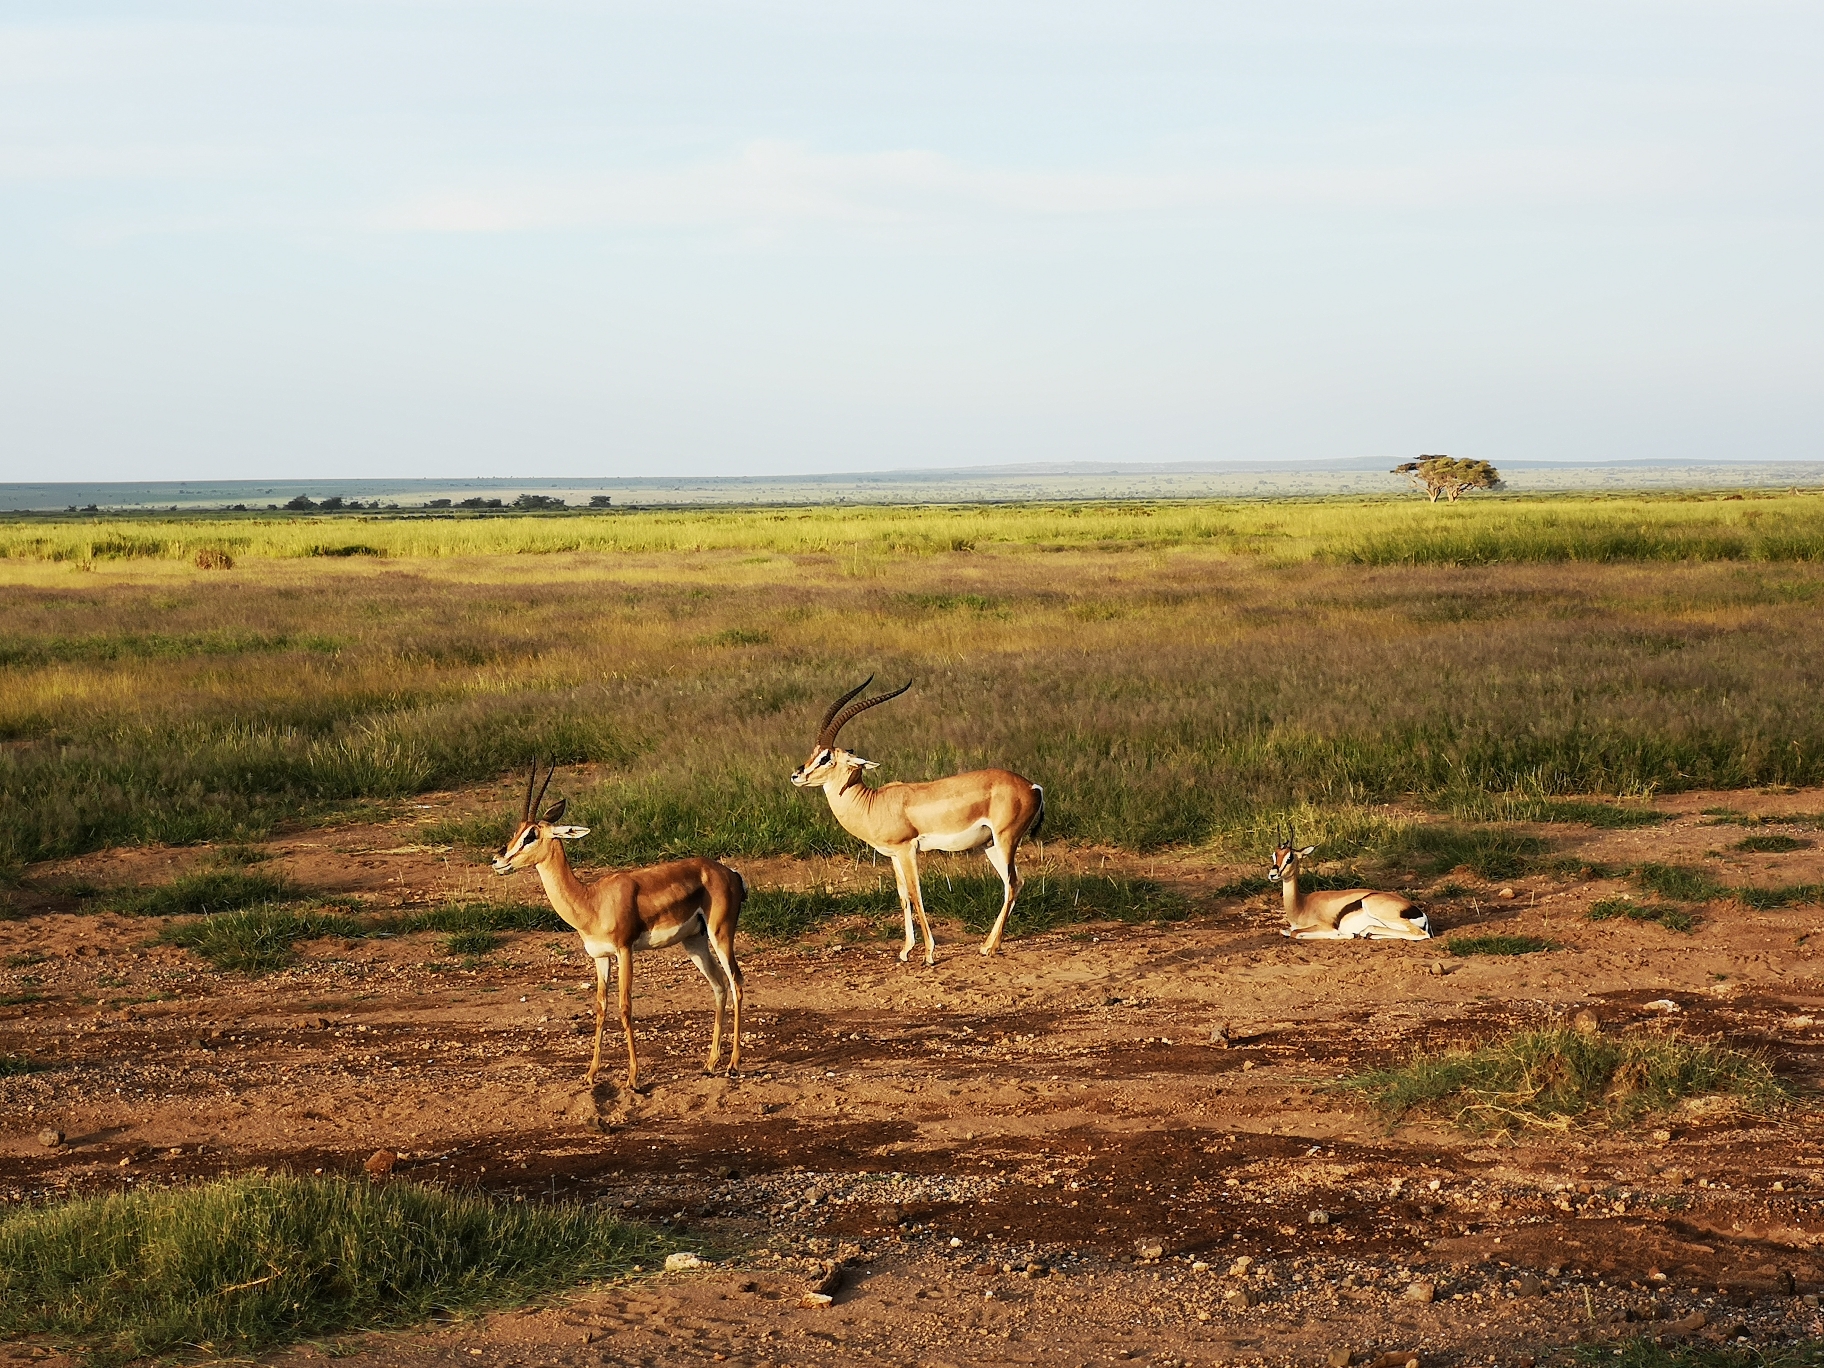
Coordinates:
1448 476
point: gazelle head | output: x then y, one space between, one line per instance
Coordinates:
531 842
826 760
1285 859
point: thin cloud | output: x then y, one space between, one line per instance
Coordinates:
777 183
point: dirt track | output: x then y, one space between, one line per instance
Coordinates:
1063 1104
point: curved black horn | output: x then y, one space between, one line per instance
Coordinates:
837 723
525 808
824 734
536 802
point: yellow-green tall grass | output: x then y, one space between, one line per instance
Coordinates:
1163 690
1370 531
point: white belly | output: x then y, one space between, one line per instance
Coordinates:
660 937
969 838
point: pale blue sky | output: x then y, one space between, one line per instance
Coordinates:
451 237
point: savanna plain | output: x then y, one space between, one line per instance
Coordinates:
286 1072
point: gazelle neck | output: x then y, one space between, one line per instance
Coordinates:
1288 887
562 886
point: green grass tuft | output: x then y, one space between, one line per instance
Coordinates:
1490 852
1672 918
1773 843
206 891
1499 945
1766 899
485 916
473 943
1681 883
15 1066
237 1266
1556 1077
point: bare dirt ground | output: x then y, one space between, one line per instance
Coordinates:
1044 1156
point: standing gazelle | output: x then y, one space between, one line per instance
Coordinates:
994 808
1342 914
694 903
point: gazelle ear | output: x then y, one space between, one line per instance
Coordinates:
555 813
569 833
1308 850
867 764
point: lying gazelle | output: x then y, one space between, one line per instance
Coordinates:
994 808
1344 914
694 903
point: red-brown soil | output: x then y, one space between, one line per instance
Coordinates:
1062 1104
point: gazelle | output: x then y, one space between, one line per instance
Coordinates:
694 903
1343 914
994 808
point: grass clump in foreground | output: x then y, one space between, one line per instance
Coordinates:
1774 843
1558 1076
1672 918
1646 1353
236 1266
206 891
256 940
1498 945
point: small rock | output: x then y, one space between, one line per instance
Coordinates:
1586 1022
1643 1311
814 1299
380 1161
1437 968
1036 1269
1240 1267
1247 1064
1506 895
814 1196
1662 1005
1530 1286
1396 1358
683 1263
1691 1324
1220 1036
1200 1267
1149 1249
1339 1358
1239 1298
1420 1291
1662 1136
50 1137
1318 1217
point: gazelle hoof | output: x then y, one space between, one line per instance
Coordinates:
906 954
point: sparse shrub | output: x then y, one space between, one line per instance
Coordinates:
15 1066
243 1264
1556 1077
1499 945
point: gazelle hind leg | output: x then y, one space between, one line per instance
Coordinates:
709 965
731 970
1005 864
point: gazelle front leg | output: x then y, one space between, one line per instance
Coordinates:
601 1017
912 898
623 959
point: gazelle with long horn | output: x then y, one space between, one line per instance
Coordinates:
692 903
992 808
1342 914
